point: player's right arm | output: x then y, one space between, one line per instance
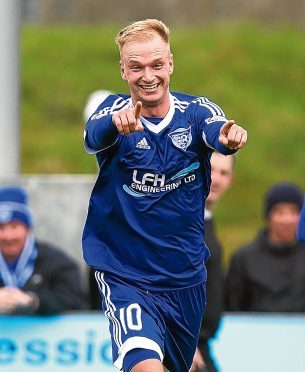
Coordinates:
100 133
105 125
127 120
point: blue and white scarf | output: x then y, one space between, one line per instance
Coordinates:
24 267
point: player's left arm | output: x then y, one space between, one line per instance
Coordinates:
301 225
232 135
218 132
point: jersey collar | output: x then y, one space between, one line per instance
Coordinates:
157 128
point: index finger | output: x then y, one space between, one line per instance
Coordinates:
137 109
229 124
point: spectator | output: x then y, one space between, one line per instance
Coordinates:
267 275
221 177
35 278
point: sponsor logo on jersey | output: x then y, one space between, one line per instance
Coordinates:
181 138
215 118
143 144
144 184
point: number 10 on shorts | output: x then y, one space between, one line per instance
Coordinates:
130 318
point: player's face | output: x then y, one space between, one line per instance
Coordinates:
282 223
146 64
12 239
221 175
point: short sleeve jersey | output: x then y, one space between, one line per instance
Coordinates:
145 221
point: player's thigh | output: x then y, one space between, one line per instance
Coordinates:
186 308
133 321
149 365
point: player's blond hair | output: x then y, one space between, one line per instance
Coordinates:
145 29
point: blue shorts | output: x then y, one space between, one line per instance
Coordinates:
166 322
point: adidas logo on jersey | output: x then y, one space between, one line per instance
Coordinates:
143 144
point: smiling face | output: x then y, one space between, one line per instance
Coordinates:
146 64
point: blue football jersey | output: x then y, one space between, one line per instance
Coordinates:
145 220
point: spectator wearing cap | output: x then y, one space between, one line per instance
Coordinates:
35 278
267 275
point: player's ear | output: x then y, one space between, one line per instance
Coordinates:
171 64
122 69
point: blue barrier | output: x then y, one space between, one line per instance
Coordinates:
80 343
53 344
260 343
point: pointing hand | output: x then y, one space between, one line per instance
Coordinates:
232 135
128 120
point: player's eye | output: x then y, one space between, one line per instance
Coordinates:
158 66
135 68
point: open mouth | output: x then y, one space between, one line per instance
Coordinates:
149 88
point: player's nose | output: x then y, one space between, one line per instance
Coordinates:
148 75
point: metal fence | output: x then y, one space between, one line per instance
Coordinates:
174 12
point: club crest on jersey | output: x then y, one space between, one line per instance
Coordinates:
181 138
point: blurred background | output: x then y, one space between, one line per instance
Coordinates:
248 57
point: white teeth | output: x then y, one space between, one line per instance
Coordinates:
149 87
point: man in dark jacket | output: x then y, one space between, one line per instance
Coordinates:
221 176
35 278
267 275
